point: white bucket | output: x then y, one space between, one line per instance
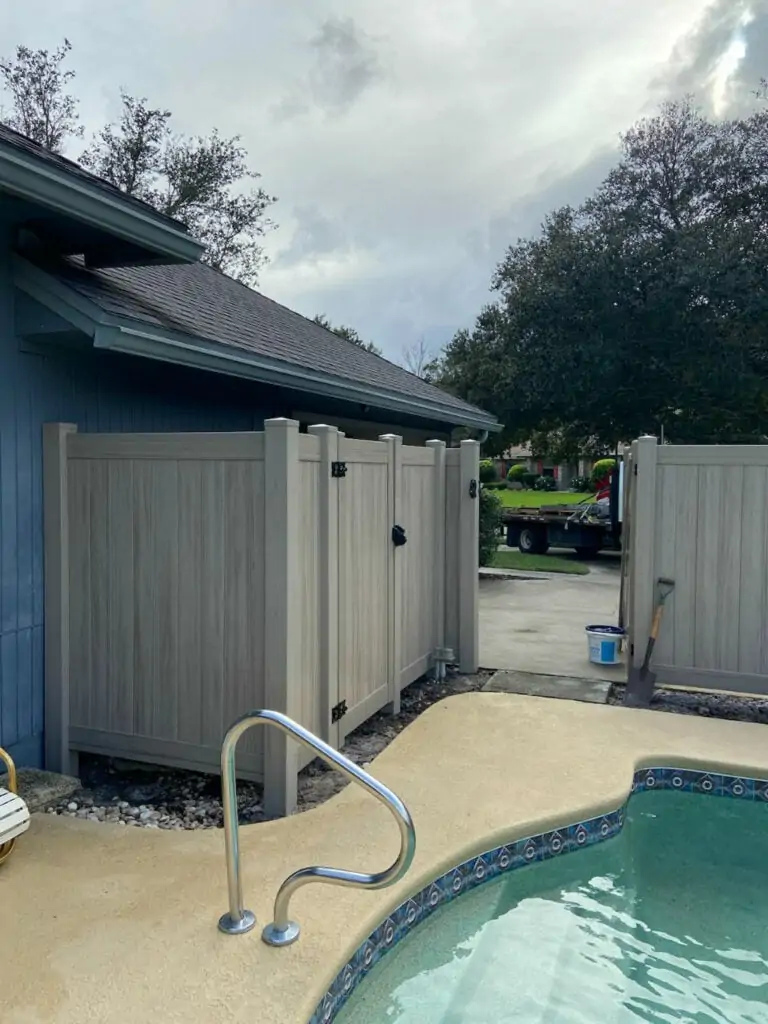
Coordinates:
604 643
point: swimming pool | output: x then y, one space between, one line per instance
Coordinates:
665 923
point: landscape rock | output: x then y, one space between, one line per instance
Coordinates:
121 792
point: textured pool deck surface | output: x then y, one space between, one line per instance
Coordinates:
117 924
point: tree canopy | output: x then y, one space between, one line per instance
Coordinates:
645 307
348 333
203 181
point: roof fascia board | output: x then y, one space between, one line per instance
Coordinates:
54 188
69 304
197 352
122 334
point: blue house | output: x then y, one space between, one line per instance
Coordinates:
108 320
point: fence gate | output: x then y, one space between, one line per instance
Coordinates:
366 571
699 516
191 578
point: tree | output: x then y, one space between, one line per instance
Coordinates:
647 306
421 360
43 108
195 180
204 181
347 333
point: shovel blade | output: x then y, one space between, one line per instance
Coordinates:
639 689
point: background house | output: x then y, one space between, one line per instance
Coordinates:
108 321
563 472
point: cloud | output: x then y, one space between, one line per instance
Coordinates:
411 143
345 63
722 60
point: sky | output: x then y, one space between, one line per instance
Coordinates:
409 141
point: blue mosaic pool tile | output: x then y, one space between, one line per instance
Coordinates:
479 869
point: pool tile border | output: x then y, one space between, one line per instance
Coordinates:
502 859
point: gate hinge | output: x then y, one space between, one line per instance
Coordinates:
338 469
338 712
632 649
635 467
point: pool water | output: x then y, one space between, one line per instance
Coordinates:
668 922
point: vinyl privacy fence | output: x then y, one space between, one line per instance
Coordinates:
191 578
699 516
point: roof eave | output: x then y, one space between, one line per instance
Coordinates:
208 355
51 187
121 334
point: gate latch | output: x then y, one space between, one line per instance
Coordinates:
473 488
398 536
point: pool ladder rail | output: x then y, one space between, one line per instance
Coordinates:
282 931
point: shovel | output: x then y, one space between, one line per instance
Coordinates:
640 682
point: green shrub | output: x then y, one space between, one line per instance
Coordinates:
516 473
528 480
601 470
490 525
488 472
545 483
582 483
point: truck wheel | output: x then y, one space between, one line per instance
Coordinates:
533 541
588 552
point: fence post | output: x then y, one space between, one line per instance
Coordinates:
328 514
282 616
469 526
56 566
438 532
395 442
642 538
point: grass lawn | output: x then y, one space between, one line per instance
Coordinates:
538 563
533 499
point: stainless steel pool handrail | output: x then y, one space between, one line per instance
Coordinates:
282 931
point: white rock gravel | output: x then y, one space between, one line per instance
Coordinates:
147 796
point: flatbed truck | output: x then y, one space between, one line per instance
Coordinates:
586 526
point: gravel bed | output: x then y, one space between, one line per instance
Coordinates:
141 795
711 705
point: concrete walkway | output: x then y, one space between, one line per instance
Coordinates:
537 625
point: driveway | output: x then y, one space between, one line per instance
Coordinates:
537 625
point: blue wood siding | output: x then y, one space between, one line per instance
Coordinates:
98 392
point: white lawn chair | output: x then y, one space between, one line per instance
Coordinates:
14 813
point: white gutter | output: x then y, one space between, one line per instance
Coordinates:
227 359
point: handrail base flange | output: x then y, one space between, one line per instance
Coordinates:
274 936
246 923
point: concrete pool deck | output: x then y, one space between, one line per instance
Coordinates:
109 924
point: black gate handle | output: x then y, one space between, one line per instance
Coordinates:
398 536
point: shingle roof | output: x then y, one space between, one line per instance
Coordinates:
21 142
199 301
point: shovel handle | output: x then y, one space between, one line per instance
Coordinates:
656 624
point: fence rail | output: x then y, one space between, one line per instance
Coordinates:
193 577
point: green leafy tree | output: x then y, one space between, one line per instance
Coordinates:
199 181
647 306
347 333
204 181
42 106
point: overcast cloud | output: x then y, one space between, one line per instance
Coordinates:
410 141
